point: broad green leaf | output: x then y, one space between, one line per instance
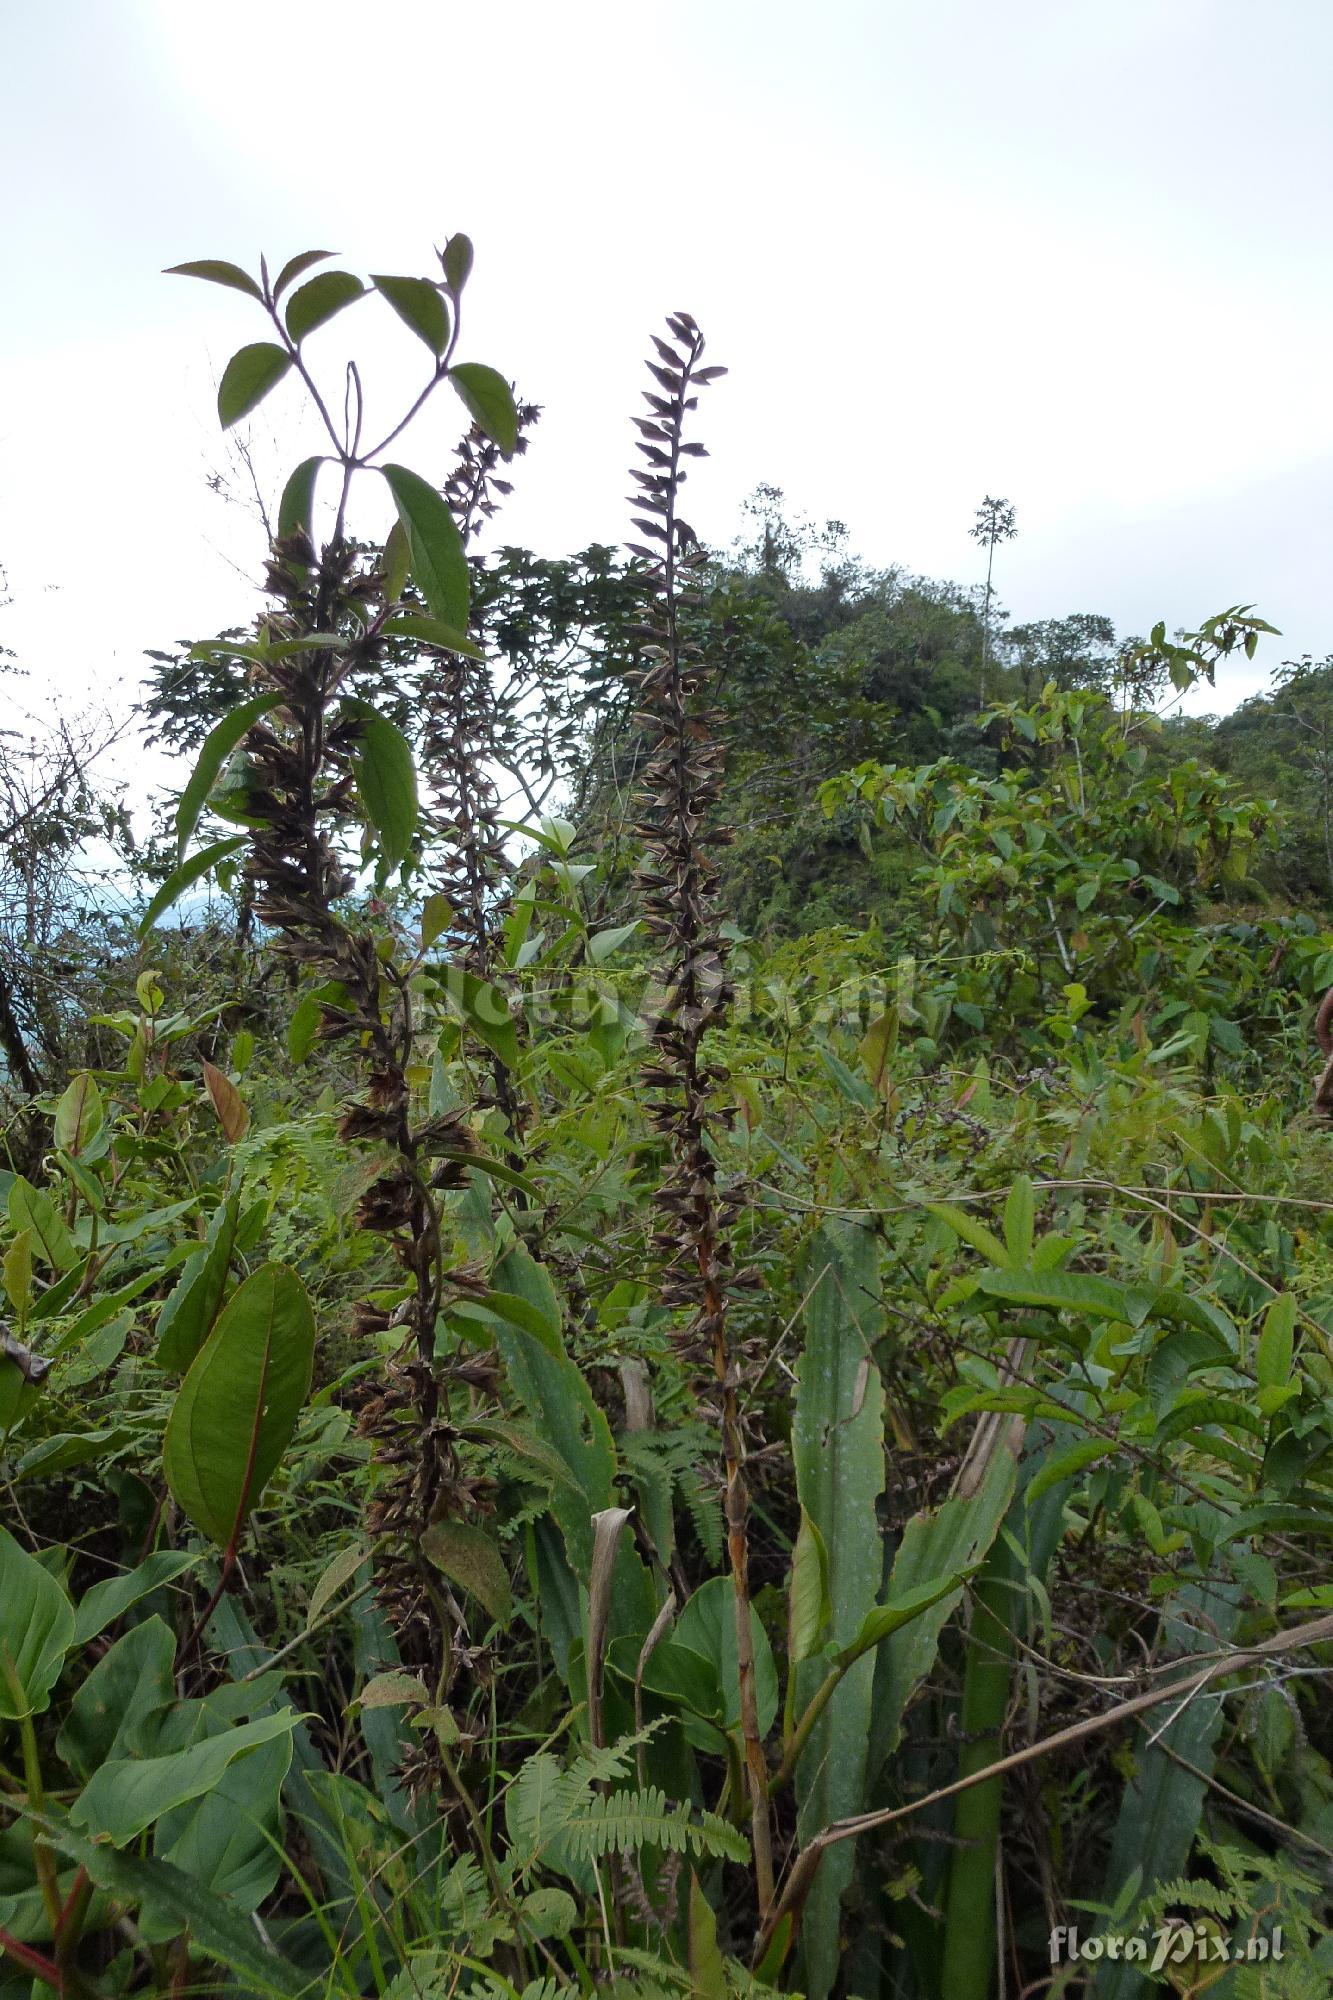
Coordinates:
809 1607
976 1233
437 913
601 944
1065 1291
229 1840
675 1672
838 1453
1274 1356
296 509
36 1631
63 1450
184 877
435 546
294 266
489 401
469 1557
221 740
485 1009
30 1209
420 306
515 1312
192 1306
303 1027
457 262
248 377
560 1407
707 1626
237 1408
1066 1464
945 1541
1019 1215
431 632
339 1572
132 1681
318 300
106 1602
886 1619
126 1794
386 784
397 563
18 1275
79 1115
216 271
708 1972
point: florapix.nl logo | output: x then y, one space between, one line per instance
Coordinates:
1176 1945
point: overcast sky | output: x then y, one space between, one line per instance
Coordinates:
1073 252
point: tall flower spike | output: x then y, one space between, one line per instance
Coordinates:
680 789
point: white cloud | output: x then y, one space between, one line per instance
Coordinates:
1076 255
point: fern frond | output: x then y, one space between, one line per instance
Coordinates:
623 1822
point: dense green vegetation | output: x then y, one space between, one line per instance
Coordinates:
671 1297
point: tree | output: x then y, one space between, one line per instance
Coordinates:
994 523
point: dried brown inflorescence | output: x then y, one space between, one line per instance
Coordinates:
679 792
299 798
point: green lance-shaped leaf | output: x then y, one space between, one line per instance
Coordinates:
838 1452
296 508
809 1606
216 271
396 563
469 1558
51 1241
457 262
1019 1218
489 401
192 1306
485 1009
435 546
419 305
386 784
17 1272
430 632
970 1929
559 1405
294 266
708 1972
183 878
218 746
237 1407
1066 1291
318 301
247 379
36 1631
106 1602
1274 1356
79 1115
972 1231
949 1540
